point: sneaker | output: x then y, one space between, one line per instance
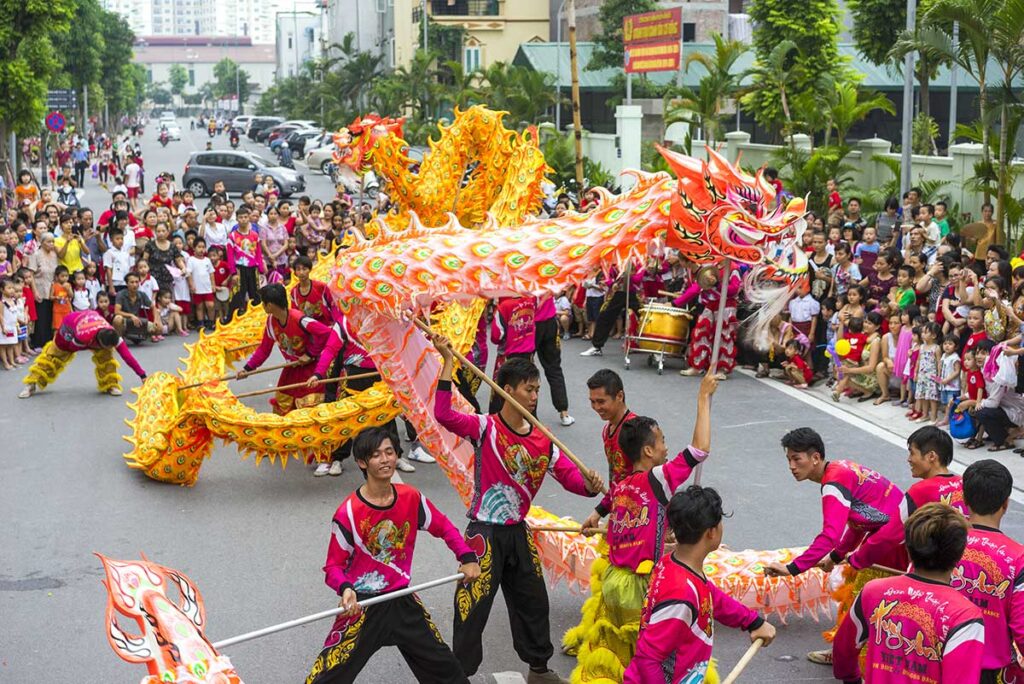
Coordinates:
565 336
593 351
114 392
567 420
336 468
420 455
405 466
27 392
823 657
547 677
322 469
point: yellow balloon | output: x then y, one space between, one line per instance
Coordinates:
842 348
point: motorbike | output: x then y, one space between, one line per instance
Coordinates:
164 139
234 141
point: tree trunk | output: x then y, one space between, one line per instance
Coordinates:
1001 188
986 152
924 98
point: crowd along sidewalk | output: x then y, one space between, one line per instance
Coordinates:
889 422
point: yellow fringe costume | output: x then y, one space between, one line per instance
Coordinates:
605 640
53 360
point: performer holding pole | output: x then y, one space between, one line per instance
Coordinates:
82 331
510 466
299 337
636 538
676 624
916 627
856 502
370 553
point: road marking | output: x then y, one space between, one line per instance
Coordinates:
958 467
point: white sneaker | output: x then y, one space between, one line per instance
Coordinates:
336 468
27 392
405 466
420 455
322 469
567 421
593 351
114 392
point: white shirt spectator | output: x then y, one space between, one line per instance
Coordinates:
803 309
201 271
131 175
118 262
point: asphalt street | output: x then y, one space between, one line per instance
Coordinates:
254 539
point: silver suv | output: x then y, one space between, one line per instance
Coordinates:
238 171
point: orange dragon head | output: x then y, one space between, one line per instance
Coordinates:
355 141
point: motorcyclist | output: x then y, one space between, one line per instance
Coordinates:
164 136
285 154
212 127
234 136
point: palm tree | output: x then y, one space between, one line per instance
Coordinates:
462 89
852 105
777 74
704 107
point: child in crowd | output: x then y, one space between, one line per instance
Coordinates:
903 295
798 373
563 309
9 325
975 329
147 283
200 284
27 276
853 308
223 283
927 374
854 335
105 306
867 251
949 384
596 289
60 295
25 304
117 262
92 282
170 317
911 372
79 293
847 273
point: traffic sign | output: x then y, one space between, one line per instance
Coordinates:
55 122
65 98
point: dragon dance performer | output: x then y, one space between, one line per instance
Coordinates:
82 331
917 628
510 465
676 631
990 574
373 539
300 338
636 537
856 502
930 453
706 289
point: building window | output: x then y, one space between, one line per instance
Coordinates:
289 41
191 76
689 32
471 58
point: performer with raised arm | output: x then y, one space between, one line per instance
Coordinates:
917 628
300 338
510 465
636 537
930 453
990 574
373 538
855 501
676 630
82 331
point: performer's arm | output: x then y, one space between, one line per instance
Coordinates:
437 524
261 353
734 286
670 626
126 354
332 344
339 551
732 613
469 426
688 294
850 540
877 546
667 479
497 327
835 507
1015 612
961 656
570 477
852 634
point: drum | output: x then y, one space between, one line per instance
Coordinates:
663 329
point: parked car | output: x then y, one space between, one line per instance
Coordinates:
264 135
299 138
238 170
304 123
278 134
242 122
259 123
319 158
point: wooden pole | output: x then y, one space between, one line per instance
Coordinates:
744 661
296 385
723 295
577 127
466 363
885 568
560 528
234 376
231 350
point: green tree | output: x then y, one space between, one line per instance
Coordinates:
178 79
122 81
703 107
608 49
852 105
813 25
228 77
82 49
776 72
28 62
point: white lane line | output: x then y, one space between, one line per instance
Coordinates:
880 431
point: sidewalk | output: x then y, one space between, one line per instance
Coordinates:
889 423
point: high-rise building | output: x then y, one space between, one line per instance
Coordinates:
244 18
138 14
298 41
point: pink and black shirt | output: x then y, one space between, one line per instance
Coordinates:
78 332
618 464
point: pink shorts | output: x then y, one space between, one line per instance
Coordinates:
202 298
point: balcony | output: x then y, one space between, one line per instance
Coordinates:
465 8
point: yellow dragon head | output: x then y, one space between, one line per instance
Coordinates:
355 142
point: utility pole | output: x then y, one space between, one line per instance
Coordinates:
908 103
558 67
577 126
952 87
424 25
